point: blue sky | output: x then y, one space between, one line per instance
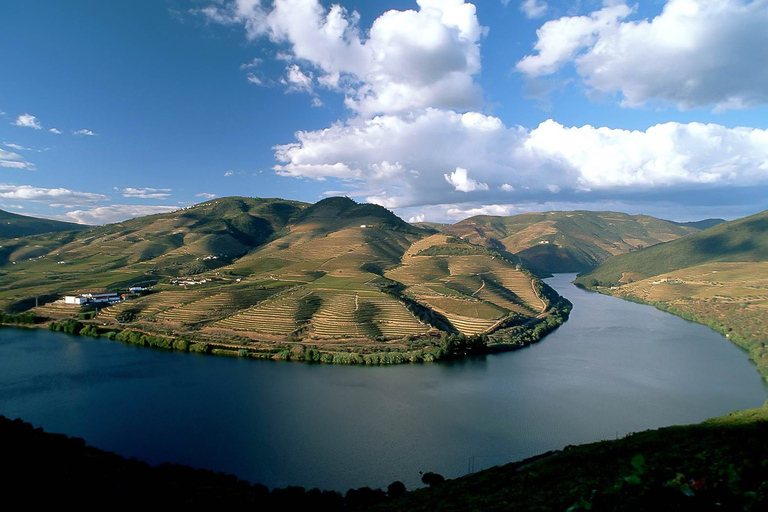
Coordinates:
437 109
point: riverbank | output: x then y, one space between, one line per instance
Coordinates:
508 336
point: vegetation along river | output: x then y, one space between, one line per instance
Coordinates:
615 367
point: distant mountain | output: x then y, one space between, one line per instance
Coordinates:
13 225
742 240
567 241
701 224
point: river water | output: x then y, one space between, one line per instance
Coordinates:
615 367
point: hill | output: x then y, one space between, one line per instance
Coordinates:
335 281
13 225
567 241
701 224
741 240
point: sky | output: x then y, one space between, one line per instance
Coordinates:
435 109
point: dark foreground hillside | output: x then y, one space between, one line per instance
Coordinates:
721 464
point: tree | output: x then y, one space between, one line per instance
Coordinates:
432 479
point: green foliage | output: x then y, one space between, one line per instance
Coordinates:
26 318
67 326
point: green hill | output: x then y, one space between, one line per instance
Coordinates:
335 281
701 224
567 241
13 225
740 240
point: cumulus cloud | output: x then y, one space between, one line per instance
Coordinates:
115 213
694 53
147 192
534 8
402 162
407 60
227 174
205 195
85 132
50 195
460 180
55 131
28 121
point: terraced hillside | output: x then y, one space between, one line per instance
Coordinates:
567 241
333 280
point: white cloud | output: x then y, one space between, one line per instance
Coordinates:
416 218
11 160
298 80
533 8
9 155
205 195
456 213
460 180
147 192
694 53
17 147
379 156
28 121
88 133
408 60
30 193
253 79
227 174
252 64
56 131
116 213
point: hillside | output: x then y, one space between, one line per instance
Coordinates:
701 224
335 281
13 225
741 240
567 241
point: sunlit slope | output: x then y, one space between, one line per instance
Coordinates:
189 241
742 240
472 288
567 241
276 277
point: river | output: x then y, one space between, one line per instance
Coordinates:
615 367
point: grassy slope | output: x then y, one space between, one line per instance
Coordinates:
13 225
567 241
740 240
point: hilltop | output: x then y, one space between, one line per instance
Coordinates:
334 281
13 225
567 241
